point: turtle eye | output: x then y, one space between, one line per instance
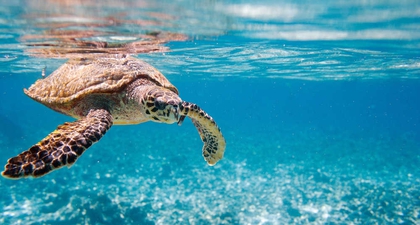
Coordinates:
159 104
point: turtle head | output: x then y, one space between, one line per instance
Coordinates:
162 105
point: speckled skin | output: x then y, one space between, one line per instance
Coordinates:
54 151
99 93
210 134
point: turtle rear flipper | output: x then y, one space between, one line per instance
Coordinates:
61 147
214 142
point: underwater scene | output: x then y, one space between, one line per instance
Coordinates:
318 103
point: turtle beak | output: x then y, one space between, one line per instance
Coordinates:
181 119
175 111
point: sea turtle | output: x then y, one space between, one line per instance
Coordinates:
100 92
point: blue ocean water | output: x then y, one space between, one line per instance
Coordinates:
318 102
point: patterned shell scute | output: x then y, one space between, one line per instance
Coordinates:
80 77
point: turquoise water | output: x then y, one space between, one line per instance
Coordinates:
318 102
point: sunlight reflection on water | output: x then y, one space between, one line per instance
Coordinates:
263 33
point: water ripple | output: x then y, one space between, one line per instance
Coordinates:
276 60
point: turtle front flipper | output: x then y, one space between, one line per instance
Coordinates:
61 147
214 142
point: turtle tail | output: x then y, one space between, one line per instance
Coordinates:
214 142
61 147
